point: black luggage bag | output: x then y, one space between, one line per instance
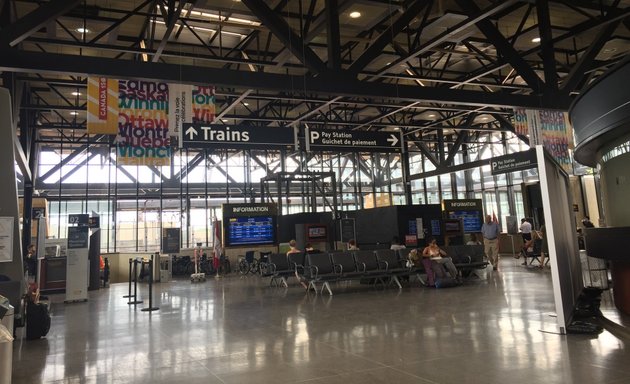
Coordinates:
37 320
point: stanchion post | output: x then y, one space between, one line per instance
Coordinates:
135 284
129 294
151 307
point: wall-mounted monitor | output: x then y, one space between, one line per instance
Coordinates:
436 227
453 227
470 212
249 224
472 220
255 230
317 233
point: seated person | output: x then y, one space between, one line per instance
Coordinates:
396 244
415 260
293 247
435 254
473 240
352 245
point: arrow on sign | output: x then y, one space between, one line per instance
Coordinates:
392 139
191 132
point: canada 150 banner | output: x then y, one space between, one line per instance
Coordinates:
549 128
145 115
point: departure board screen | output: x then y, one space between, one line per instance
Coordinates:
251 230
472 220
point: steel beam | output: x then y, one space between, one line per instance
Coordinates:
386 37
577 72
24 61
425 151
461 138
332 35
172 17
281 29
546 40
29 24
447 35
504 47
65 161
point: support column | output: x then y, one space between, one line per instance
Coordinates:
8 194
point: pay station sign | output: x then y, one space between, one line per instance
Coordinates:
354 141
237 136
518 161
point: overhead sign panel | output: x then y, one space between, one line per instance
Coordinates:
237 136
354 141
518 161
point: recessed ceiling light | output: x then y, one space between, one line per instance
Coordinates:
74 113
355 14
76 93
224 120
82 30
484 118
431 115
246 104
536 40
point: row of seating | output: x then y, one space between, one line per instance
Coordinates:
383 265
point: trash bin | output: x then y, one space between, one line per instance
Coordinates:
166 269
9 318
6 354
594 271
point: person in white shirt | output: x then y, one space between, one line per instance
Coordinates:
526 233
396 245
526 230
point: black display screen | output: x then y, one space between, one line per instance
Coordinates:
472 220
251 230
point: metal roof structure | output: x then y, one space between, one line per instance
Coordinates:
440 71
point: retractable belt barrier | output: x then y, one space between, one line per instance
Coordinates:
151 307
133 299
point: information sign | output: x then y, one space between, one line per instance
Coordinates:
79 219
237 136
353 141
347 230
513 162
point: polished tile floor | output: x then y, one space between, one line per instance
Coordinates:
239 330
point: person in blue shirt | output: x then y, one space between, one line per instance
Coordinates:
490 232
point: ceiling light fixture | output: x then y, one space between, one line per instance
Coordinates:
74 113
355 14
76 93
145 57
82 30
246 104
536 40
431 115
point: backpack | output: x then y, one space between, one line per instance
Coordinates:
445 282
37 320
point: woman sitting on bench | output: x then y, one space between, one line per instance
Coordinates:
435 253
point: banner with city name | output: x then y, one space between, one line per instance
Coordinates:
551 129
145 116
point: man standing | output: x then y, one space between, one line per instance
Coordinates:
526 230
490 232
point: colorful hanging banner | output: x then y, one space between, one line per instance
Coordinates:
145 116
549 128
